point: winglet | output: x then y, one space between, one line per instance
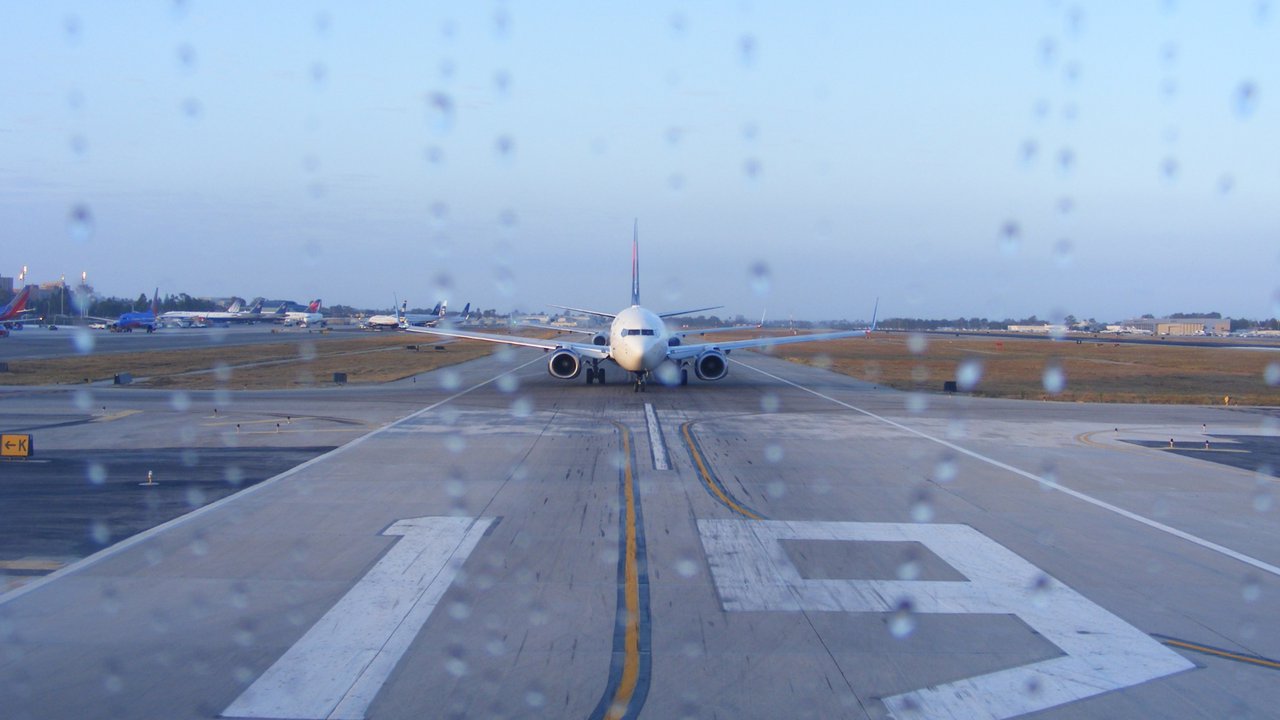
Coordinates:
635 263
155 303
874 310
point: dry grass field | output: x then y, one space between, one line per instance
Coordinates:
1002 366
1087 371
365 359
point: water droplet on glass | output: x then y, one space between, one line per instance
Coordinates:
221 371
1027 152
751 168
1054 379
80 223
747 50
100 533
773 453
916 343
1062 253
916 403
921 507
1010 238
1041 588
440 112
1252 590
675 181
502 83
96 472
83 340
71 26
522 407
319 72
180 401
186 56
760 278
1226 184
1066 159
505 146
79 145
686 568
1272 374
902 623
769 402
968 373
1246 99
945 471
1169 168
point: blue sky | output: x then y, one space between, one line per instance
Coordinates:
977 159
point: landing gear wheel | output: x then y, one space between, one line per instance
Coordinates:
591 376
600 376
684 376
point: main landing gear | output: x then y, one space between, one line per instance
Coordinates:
595 373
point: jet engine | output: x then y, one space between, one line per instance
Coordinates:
564 364
600 339
711 365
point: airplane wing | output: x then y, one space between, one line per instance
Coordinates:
684 352
597 352
709 331
597 313
580 331
686 312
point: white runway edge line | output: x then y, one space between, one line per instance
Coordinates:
147 534
1254 562
655 439
337 668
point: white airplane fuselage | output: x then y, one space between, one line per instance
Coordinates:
638 340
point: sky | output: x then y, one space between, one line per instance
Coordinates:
983 159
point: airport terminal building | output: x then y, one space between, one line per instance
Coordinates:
1181 326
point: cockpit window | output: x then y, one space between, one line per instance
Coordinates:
635 331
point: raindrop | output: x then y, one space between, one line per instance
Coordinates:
1053 379
917 403
945 470
1066 204
773 453
1010 238
916 343
677 23
1041 588
1048 51
97 473
449 380
747 50
82 399
1062 251
775 489
902 623
1028 151
100 533
195 497
921 507
192 108
455 443
186 56
434 155
180 401
535 699
502 82
80 223
522 407
83 340
307 351
1272 374
675 181
769 402
1066 159
71 26
909 570
79 145
319 72
760 278
751 167
1226 183
508 218
505 146
221 371
1246 99
440 112
968 373
508 383
1169 168
1252 590
686 568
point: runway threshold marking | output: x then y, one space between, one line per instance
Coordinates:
199 512
1100 651
1043 481
337 668
656 446
629 669
1219 652
709 479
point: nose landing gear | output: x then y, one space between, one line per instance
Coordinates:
595 373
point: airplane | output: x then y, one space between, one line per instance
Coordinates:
233 313
144 319
303 319
391 322
639 342
12 313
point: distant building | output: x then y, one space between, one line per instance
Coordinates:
1045 329
1181 326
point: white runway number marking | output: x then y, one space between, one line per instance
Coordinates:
1101 652
337 668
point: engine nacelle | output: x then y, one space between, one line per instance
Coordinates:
564 364
600 339
711 365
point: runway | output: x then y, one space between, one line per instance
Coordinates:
788 542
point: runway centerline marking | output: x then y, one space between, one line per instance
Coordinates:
1101 652
656 445
1044 482
337 668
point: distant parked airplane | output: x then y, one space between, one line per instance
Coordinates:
131 320
390 322
639 342
304 319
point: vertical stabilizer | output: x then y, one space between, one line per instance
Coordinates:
635 263
155 303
